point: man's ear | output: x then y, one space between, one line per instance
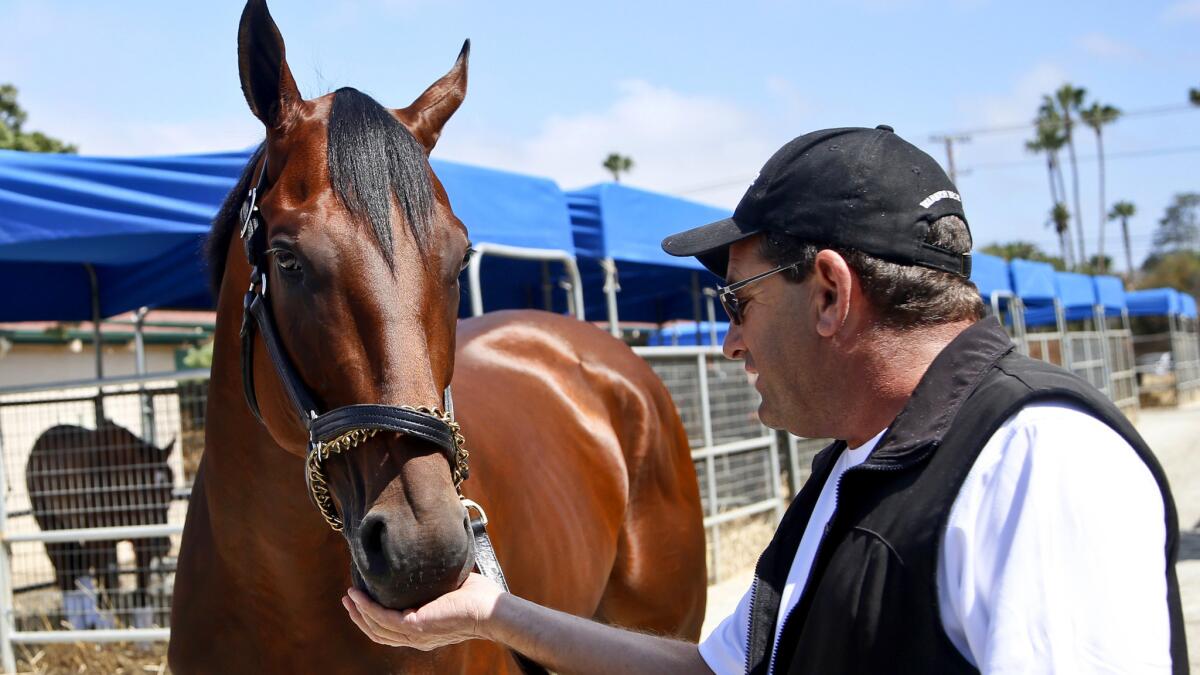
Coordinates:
833 286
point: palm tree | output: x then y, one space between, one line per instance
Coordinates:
1060 218
1070 99
1096 117
1049 138
1194 96
1124 211
617 165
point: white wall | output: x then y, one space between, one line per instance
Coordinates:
38 364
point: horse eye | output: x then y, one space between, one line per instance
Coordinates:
286 260
467 258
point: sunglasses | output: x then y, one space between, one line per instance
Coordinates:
728 294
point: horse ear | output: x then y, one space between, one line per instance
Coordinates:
166 452
426 116
266 79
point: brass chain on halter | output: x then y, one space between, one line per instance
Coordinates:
353 438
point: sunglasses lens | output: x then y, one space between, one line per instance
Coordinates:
730 302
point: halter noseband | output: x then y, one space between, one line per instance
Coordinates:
340 429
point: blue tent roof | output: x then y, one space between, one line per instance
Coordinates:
1187 305
990 274
1033 282
689 333
1110 294
141 221
628 224
1077 295
1154 302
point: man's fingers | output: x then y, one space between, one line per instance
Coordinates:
376 612
373 630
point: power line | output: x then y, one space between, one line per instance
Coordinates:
1010 128
1127 154
941 137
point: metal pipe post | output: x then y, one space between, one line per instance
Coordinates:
611 287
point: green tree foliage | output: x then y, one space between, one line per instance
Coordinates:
199 357
1123 211
1175 261
12 133
617 164
1049 137
1194 96
1096 117
1179 228
1024 250
1180 270
1096 265
1070 100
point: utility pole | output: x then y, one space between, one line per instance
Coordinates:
949 141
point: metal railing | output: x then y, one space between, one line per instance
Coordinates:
92 509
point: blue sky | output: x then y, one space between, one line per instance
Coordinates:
699 94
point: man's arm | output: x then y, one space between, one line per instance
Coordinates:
559 641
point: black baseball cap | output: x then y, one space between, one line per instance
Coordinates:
855 188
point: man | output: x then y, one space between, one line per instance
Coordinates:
981 512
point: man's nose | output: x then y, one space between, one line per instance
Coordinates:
732 346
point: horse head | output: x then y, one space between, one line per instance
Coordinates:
362 261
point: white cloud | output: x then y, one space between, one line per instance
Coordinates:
677 141
1019 104
1183 10
99 136
1105 47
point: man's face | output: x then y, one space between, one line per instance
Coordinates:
776 340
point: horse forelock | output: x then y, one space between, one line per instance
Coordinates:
372 158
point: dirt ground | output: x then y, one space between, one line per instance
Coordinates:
1174 435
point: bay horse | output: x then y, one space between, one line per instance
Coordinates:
575 447
105 477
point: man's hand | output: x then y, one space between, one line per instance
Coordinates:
459 615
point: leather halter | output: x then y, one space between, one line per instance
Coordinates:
343 428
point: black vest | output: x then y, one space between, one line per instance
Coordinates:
871 601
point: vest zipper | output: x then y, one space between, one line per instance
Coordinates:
750 610
837 490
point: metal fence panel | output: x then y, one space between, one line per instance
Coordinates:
92 513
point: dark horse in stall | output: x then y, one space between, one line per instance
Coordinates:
106 477
576 450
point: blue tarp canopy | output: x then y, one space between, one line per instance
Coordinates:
1110 294
1033 283
689 333
1077 295
140 221
1154 302
628 224
1188 305
990 274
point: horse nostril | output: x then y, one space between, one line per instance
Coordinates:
372 535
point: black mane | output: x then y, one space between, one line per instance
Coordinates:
371 157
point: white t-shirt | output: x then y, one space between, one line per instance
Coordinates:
1053 559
